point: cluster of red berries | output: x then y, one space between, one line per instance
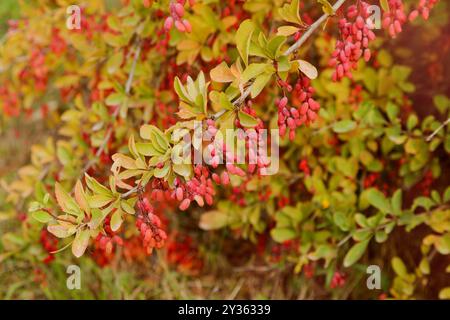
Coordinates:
199 189
425 184
50 244
394 18
279 250
356 36
238 196
356 97
255 145
58 45
176 17
308 270
423 9
309 107
105 241
9 102
291 118
37 70
149 225
218 148
371 179
282 201
338 280
303 166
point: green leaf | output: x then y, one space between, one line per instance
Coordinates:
274 45
243 38
116 220
253 70
115 99
423 202
355 253
447 195
96 187
399 267
184 170
260 83
441 102
114 62
377 199
384 5
213 220
326 7
147 149
282 234
127 207
396 203
344 126
247 120
290 12
41 216
99 200
444 294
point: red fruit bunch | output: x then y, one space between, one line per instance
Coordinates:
394 18
423 9
291 117
149 226
105 241
50 244
356 36
217 149
303 166
199 189
58 46
9 102
176 17
338 280
256 141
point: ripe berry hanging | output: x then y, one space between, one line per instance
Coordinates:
356 36
423 9
149 226
176 17
394 18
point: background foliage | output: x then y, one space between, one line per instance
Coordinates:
86 123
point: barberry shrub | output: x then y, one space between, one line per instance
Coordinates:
113 178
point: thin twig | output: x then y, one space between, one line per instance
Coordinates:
290 50
438 129
312 28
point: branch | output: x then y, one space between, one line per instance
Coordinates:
312 28
438 129
290 50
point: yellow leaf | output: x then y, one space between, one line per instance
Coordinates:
286 30
308 69
222 73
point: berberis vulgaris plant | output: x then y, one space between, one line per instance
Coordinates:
197 129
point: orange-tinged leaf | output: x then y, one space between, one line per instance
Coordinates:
222 73
66 202
80 196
